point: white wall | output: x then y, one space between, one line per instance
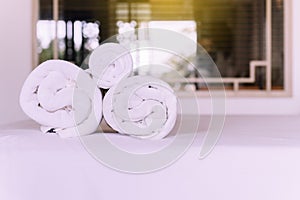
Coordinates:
15 55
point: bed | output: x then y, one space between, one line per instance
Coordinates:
257 157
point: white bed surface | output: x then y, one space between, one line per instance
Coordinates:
257 157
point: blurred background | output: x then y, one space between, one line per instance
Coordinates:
233 32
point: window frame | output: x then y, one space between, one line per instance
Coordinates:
288 58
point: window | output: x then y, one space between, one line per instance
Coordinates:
245 38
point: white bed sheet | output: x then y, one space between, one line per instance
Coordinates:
257 157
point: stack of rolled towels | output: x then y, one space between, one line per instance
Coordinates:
67 100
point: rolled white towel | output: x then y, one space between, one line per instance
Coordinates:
109 63
141 106
62 98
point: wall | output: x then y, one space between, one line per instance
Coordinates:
15 55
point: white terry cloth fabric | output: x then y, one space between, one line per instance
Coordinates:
62 98
109 63
142 107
